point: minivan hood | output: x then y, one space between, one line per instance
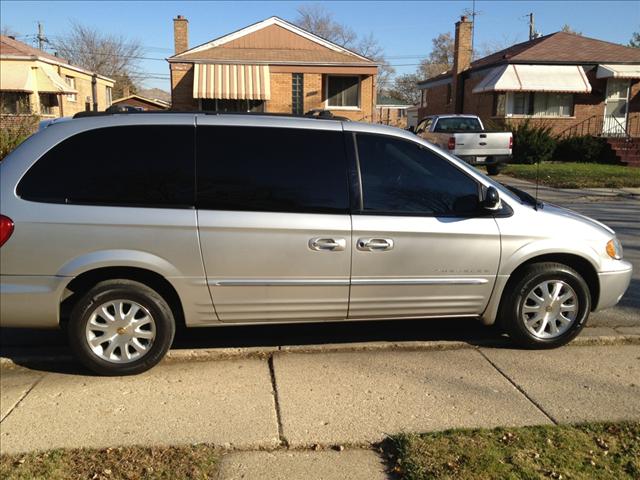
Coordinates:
565 212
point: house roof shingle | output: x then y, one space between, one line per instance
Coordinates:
563 47
266 55
12 47
272 41
559 47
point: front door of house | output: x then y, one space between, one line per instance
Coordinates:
615 110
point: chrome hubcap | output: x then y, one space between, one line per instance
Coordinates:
550 308
120 331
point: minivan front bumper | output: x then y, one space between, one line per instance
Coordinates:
613 284
31 301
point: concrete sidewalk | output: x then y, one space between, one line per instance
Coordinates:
298 400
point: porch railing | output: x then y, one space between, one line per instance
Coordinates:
604 126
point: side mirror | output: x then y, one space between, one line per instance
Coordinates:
491 200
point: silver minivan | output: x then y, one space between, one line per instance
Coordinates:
118 227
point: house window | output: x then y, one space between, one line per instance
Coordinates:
343 91
535 104
297 93
227 105
48 101
109 95
14 103
71 81
402 113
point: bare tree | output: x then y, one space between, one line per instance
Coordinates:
405 88
635 40
7 31
487 48
441 57
114 56
567 29
320 21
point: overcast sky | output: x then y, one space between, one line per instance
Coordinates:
404 29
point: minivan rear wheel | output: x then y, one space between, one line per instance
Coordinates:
546 307
121 327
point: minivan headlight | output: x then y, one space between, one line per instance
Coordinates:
614 248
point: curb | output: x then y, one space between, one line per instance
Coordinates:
202 355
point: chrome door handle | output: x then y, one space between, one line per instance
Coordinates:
374 244
331 244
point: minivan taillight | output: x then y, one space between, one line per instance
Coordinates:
511 142
6 229
452 143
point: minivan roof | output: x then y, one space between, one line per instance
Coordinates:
315 114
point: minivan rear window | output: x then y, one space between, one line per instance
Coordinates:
138 165
271 169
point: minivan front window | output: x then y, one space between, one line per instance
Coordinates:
401 177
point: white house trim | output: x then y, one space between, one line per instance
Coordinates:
266 23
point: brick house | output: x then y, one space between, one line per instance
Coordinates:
33 82
271 66
392 111
574 84
144 103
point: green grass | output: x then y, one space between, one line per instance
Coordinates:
188 462
578 175
595 450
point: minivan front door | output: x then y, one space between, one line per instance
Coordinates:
273 220
419 247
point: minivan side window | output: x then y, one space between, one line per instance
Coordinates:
138 165
271 169
402 177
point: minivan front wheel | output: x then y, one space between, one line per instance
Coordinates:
121 327
547 307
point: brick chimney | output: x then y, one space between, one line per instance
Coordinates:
180 34
461 60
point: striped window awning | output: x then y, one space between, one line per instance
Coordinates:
231 81
535 78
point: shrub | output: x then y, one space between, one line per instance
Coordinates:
583 149
532 143
14 131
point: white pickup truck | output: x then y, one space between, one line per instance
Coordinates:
465 137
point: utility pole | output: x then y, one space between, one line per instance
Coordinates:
532 28
40 37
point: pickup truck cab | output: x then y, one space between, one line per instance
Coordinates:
465 137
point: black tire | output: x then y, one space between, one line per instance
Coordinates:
127 290
513 301
494 169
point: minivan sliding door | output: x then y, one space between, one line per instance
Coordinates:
273 219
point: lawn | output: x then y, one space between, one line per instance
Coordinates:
596 450
188 462
578 175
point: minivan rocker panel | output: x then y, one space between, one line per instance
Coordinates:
286 220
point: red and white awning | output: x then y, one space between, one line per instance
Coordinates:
535 78
231 81
618 71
